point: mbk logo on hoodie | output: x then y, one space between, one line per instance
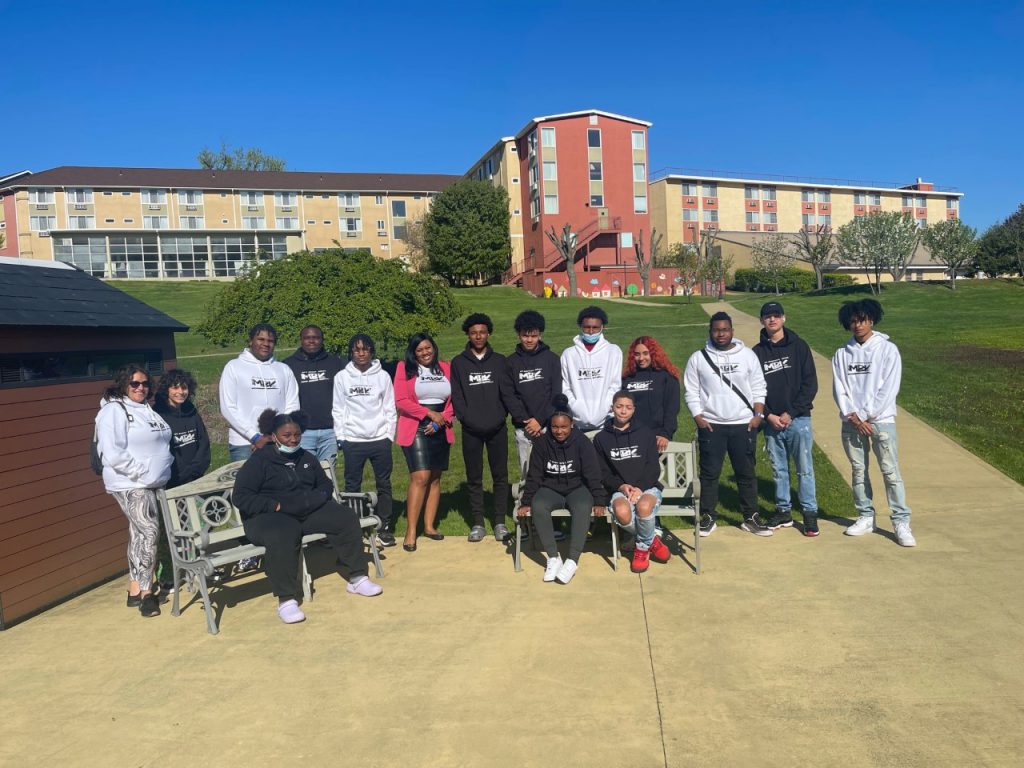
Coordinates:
536 374
258 383
310 377
774 366
589 373
729 368
858 369
640 386
621 454
476 379
360 391
560 467
186 438
156 425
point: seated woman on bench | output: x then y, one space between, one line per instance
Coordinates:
283 494
563 474
628 452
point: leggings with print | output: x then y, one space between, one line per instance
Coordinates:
139 506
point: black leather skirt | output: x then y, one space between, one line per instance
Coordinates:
427 452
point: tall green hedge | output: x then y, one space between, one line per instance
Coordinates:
795 280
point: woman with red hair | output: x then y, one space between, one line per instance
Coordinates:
654 383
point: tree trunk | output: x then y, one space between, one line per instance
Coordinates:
952 279
570 269
818 276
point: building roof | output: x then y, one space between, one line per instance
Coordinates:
201 178
51 293
581 113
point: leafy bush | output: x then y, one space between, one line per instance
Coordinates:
342 292
794 280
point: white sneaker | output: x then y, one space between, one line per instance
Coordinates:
566 572
554 565
904 536
862 526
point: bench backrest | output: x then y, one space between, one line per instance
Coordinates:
679 472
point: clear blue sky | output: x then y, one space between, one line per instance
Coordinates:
881 91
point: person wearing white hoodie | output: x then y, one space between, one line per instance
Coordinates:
591 371
866 375
725 393
134 446
365 418
251 383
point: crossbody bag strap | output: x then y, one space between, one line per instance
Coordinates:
727 380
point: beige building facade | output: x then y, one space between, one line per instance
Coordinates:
500 166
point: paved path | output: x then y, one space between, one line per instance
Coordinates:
786 652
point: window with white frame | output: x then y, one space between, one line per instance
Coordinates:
597 201
79 196
710 216
750 192
638 140
253 222
251 198
807 220
626 239
639 171
42 223
710 189
860 198
191 222
550 171
550 203
285 199
398 209
768 193
689 189
874 198
154 222
535 207
190 196
824 196
952 203
286 222
807 195
547 137
594 138
596 171
922 223
824 220
40 196
348 199
922 201
639 203
771 218
908 201
378 199
753 217
689 214
350 224
154 197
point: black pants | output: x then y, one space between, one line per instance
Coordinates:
580 504
378 453
497 458
740 443
282 537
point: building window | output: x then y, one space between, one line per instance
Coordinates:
638 140
286 222
594 138
807 220
595 171
639 171
547 137
378 199
860 198
86 253
154 222
79 196
874 198
824 196
40 196
190 196
184 256
348 199
768 193
133 256
550 203
285 199
81 222
753 217
550 171
105 221
710 189
191 222
922 202
310 221
711 216
690 214
350 225
952 204
253 222
398 229
771 218
750 193
689 189
154 197
535 207
922 223
824 220
327 222
807 195
639 203
908 201
131 221
42 223
398 209
252 198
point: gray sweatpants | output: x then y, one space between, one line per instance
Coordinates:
140 507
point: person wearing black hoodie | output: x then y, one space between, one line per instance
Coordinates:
654 383
536 374
315 368
564 473
631 468
283 494
481 388
792 384
190 443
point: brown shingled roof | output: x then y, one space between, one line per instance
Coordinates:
199 178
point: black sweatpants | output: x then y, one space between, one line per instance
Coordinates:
741 444
378 453
282 536
580 504
497 458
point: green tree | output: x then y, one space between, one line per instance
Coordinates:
466 233
815 248
238 159
952 244
684 257
342 292
877 243
771 259
1001 248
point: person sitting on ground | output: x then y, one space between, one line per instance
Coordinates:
628 453
654 383
283 494
564 473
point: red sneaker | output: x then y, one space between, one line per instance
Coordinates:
641 560
659 552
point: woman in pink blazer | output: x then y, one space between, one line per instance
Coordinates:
423 396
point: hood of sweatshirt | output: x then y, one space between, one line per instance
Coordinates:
165 407
541 347
469 354
301 354
853 347
248 357
599 346
352 370
785 341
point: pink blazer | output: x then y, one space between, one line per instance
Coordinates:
409 409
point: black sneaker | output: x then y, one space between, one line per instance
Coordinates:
386 539
810 524
707 525
780 520
756 526
149 606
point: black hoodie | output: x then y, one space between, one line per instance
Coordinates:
480 389
656 394
564 467
628 456
315 375
190 443
295 481
789 371
536 379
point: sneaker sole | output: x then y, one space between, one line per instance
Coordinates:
762 534
709 531
780 525
865 532
812 534
638 570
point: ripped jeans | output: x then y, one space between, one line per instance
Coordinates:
883 443
796 442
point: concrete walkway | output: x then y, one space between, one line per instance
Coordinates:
787 651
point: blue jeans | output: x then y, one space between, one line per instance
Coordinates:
321 443
641 527
883 443
239 452
797 443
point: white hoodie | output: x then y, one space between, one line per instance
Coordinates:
866 379
134 444
248 387
590 379
707 392
364 404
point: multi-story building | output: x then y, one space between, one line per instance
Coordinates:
184 223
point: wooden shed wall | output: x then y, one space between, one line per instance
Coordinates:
59 530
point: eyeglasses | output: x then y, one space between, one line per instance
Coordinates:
137 384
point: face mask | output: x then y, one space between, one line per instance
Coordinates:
288 448
591 338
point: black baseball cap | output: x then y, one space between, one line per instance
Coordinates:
772 308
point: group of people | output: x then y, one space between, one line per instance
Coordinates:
588 432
